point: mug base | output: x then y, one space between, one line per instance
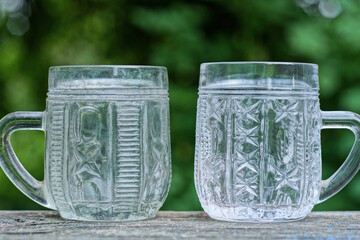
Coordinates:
84 212
252 220
124 217
259 214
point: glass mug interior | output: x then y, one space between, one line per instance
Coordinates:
258 153
107 143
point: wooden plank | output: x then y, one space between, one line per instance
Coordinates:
176 225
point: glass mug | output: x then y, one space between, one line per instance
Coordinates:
258 154
107 153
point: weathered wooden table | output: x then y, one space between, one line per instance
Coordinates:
176 225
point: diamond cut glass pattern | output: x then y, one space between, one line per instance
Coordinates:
253 154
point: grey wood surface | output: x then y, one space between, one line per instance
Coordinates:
176 225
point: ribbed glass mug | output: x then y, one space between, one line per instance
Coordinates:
107 154
258 153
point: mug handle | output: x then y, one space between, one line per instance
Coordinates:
9 162
344 120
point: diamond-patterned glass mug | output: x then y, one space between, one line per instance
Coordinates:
107 153
258 141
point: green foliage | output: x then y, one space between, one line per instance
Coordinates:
179 35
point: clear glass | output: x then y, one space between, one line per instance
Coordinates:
107 151
258 152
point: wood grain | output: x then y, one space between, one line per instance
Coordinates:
176 225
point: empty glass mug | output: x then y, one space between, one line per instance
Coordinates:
107 154
258 154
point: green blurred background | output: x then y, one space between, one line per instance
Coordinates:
180 35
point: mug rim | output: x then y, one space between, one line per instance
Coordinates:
259 63
111 77
65 67
259 75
